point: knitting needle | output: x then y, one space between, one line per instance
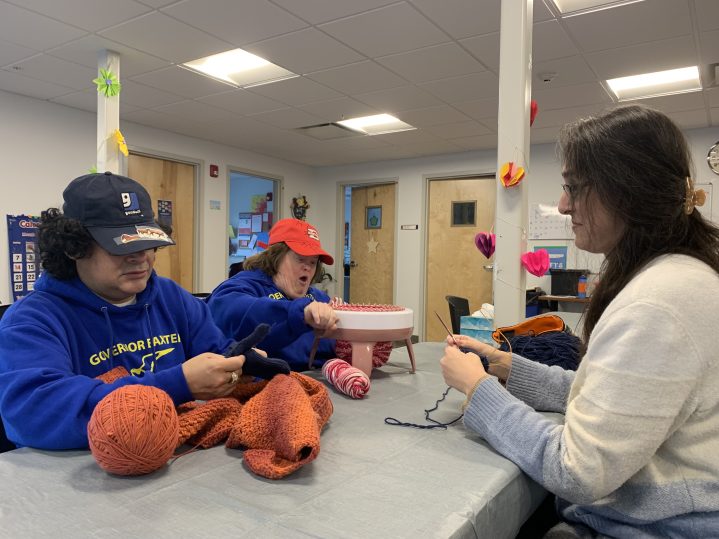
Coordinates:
446 329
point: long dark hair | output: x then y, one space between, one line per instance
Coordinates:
636 162
61 241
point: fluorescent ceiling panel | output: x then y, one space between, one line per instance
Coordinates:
378 124
587 6
240 68
673 81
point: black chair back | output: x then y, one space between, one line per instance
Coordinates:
458 307
5 444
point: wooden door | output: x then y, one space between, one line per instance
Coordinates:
372 244
172 187
454 264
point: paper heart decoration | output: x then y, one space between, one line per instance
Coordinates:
536 263
485 242
511 174
533 109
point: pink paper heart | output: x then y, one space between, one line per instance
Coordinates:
536 263
486 243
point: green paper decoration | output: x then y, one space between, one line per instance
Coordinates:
108 83
93 170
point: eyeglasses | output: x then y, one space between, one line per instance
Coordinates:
571 190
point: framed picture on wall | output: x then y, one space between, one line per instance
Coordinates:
373 217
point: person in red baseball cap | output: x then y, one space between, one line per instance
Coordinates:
275 287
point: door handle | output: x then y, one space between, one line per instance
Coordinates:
353 264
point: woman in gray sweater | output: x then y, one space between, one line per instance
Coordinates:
637 453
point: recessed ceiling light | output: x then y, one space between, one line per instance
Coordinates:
580 7
673 81
378 124
239 68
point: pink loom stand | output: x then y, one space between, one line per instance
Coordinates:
363 342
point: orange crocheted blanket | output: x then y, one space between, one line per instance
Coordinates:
277 422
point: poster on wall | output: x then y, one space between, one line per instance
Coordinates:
22 242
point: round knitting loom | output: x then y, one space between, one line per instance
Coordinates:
363 325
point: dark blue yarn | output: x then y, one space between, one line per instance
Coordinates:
551 348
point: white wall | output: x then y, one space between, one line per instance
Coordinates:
543 181
44 146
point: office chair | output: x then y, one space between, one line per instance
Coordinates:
458 307
5 444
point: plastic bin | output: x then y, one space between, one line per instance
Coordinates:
564 281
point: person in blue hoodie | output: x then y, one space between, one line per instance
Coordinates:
275 288
97 306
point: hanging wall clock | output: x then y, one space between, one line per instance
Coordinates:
713 158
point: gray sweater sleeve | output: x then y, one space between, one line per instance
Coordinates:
542 387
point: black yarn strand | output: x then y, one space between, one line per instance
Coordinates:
436 424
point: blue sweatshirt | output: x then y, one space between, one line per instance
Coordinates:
54 342
251 297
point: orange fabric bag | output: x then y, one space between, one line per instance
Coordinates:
532 326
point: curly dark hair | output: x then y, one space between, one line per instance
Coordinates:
61 241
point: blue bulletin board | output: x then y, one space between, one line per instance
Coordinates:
22 243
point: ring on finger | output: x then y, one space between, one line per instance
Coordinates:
234 378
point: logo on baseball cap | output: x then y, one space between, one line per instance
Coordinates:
301 237
116 211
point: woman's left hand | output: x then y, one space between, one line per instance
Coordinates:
461 371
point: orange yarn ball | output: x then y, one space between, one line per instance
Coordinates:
134 430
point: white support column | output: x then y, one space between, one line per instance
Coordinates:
515 68
108 117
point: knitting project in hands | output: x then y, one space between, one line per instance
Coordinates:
255 364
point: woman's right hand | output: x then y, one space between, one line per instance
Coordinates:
210 376
321 317
500 362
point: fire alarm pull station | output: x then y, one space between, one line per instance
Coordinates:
214 171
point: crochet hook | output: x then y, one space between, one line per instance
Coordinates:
446 328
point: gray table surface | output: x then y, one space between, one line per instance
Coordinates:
369 480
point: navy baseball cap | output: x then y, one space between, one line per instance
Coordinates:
116 211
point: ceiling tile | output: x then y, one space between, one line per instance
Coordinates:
482 142
318 11
242 102
547 135
463 18
414 136
675 103
236 22
163 36
569 96
145 97
649 57
690 119
399 99
374 33
338 109
465 88
305 51
195 111
479 108
84 51
18 84
485 48
710 46
435 147
426 117
297 91
57 71
707 14
549 41
358 78
182 82
713 97
287 118
91 15
11 53
448 60
569 71
457 130
715 116
86 100
559 117
630 24
16 22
